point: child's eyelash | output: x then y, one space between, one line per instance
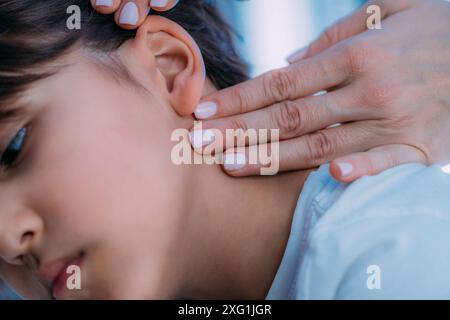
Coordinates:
13 149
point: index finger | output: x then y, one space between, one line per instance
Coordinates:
298 80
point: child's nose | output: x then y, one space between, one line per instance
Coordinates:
19 232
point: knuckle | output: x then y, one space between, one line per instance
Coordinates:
240 98
238 123
288 118
382 94
320 68
278 84
389 159
371 166
361 55
319 147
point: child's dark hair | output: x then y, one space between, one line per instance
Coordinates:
35 32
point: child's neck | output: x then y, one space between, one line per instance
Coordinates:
236 233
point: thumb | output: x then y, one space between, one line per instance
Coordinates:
354 166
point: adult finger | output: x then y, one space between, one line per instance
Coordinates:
290 118
305 152
296 81
354 166
349 26
131 14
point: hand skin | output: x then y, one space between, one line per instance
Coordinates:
389 89
144 7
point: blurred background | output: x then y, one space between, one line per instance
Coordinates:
268 31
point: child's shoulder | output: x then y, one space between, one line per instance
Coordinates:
343 236
396 224
404 191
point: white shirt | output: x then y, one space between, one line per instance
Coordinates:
381 237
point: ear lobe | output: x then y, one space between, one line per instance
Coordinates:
177 59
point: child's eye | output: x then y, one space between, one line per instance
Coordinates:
13 150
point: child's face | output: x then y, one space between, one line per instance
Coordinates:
96 181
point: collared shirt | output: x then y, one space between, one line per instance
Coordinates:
381 237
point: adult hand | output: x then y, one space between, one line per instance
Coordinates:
131 14
389 89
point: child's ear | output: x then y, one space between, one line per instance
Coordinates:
174 61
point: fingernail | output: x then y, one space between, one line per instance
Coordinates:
345 168
205 110
130 14
297 55
159 3
106 3
234 161
201 138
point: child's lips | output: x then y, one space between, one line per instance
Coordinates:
54 274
